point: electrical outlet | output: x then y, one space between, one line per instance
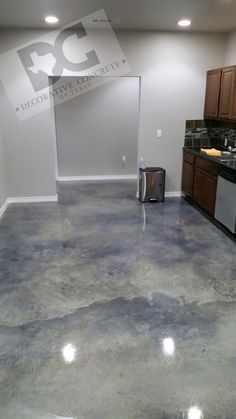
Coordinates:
124 160
159 133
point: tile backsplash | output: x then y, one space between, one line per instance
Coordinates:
209 133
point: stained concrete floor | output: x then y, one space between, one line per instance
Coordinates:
110 309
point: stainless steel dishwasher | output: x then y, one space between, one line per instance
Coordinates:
225 210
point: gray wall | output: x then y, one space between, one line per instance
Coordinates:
3 189
96 129
230 50
173 70
29 149
172 67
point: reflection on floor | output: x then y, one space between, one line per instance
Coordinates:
110 309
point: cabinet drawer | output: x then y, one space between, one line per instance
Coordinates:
189 157
206 165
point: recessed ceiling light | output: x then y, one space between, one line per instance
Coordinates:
184 22
51 19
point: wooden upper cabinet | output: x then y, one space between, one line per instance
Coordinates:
233 101
212 94
220 99
226 92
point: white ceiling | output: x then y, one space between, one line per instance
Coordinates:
206 15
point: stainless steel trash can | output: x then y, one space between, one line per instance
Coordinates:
152 184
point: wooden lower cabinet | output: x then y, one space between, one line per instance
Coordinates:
187 179
199 181
204 190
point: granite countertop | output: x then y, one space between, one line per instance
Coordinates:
227 166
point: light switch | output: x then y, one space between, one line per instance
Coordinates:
159 133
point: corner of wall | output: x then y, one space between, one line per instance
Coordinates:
230 48
3 178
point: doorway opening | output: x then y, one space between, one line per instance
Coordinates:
97 132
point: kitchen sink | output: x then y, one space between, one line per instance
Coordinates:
227 157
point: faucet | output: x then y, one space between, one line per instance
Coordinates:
232 149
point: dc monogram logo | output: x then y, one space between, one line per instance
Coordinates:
76 58
37 57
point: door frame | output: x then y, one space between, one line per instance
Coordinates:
59 178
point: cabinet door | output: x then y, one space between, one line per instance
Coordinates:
212 94
204 190
226 92
233 102
187 179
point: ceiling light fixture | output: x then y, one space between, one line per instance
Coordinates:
51 19
184 23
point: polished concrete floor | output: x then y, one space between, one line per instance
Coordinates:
110 309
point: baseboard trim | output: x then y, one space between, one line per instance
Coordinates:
102 177
54 198
26 200
31 199
177 194
3 208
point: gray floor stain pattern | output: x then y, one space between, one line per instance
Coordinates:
110 309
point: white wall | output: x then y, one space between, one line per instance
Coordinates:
3 186
230 50
96 129
172 67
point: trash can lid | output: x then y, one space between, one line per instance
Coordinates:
152 169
